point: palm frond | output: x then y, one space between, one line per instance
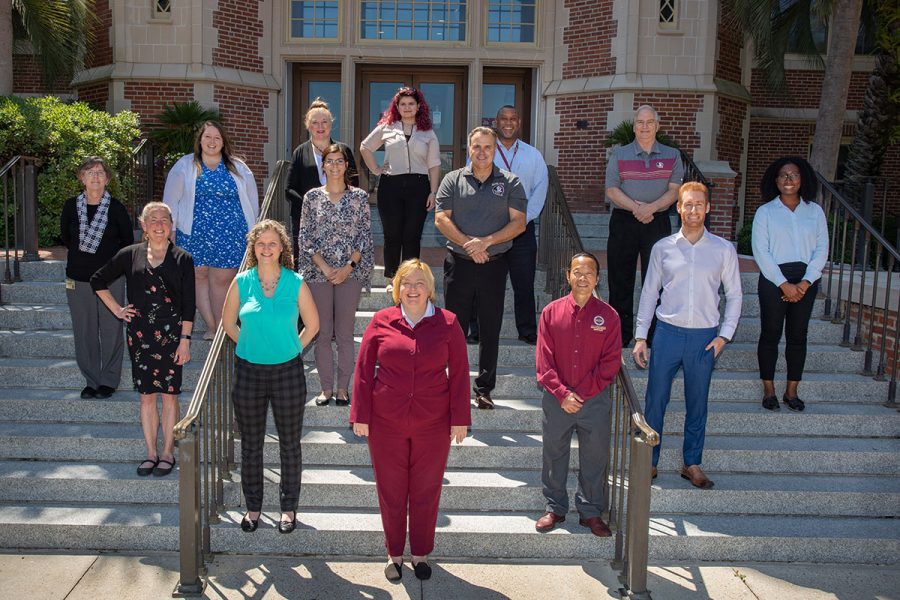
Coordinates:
59 30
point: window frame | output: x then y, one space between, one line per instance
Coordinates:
363 41
291 39
538 9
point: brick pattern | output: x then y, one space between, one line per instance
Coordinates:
805 90
771 140
243 110
148 98
97 95
874 328
101 52
677 115
28 78
723 207
239 31
588 38
729 43
582 157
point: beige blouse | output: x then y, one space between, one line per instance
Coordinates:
421 153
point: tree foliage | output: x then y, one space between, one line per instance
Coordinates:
62 135
180 123
624 134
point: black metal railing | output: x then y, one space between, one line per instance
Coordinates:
693 173
205 436
859 288
137 179
18 186
631 446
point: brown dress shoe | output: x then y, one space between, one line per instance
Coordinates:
653 473
548 521
597 526
484 401
696 476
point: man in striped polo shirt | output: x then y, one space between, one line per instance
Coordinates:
642 180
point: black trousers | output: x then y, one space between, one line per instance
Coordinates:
467 283
776 316
522 261
629 239
401 206
255 386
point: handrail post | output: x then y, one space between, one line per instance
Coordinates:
638 519
29 212
190 583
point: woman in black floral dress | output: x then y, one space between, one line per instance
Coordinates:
160 317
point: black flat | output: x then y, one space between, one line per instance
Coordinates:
88 392
249 525
393 572
771 403
422 570
338 401
288 526
795 404
163 471
323 401
147 471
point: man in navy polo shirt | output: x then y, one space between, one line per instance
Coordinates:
642 180
479 209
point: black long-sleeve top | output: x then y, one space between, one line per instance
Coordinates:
118 234
176 270
304 174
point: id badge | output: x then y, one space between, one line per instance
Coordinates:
70 284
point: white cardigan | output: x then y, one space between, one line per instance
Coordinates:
181 184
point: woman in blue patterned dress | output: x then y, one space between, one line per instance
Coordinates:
336 259
214 200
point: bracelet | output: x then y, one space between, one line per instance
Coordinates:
185 336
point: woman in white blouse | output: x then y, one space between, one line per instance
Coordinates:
410 174
790 245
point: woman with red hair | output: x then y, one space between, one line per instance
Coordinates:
410 174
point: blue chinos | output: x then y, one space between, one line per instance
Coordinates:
674 348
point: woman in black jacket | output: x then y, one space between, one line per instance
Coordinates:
160 317
94 226
306 162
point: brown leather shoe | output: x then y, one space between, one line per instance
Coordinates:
597 526
548 521
484 401
653 473
696 476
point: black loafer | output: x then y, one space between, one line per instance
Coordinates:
104 391
393 571
338 401
163 471
472 339
322 400
143 471
484 401
288 526
422 570
529 338
249 525
795 404
88 392
771 403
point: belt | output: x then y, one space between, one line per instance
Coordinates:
469 258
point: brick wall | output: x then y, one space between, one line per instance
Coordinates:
588 38
874 328
100 52
722 210
243 110
804 90
582 157
96 94
729 44
148 98
677 115
239 31
770 140
28 78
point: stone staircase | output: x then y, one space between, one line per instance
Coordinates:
593 228
822 486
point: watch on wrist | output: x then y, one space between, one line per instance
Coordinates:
185 336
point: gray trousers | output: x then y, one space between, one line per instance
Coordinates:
98 334
337 306
592 424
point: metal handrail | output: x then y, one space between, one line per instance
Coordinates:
18 186
138 178
870 254
693 173
205 436
632 438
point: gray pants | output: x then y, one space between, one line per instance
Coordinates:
98 334
592 424
337 306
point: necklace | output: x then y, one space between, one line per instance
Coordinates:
269 286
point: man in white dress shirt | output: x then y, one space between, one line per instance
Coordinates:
688 267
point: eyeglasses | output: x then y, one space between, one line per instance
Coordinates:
693 207
789 177
98 174
334 161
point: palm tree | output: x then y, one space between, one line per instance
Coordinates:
771 23
59 31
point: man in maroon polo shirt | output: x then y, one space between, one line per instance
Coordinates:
578 356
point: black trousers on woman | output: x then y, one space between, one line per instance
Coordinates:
401 206
255 386
791 317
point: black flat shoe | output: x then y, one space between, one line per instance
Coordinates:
393 571
795 404
338 401
288 526
249 525
422 570
88 392
323 400
104 391
771 403
143 471
163 471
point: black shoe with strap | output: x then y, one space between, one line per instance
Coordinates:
795 404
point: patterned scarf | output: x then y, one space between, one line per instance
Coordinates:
90 234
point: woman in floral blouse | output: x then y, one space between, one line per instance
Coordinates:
336 259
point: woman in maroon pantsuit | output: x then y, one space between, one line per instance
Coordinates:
416 404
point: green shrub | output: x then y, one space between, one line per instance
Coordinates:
180 124
624 134
745 243
62 135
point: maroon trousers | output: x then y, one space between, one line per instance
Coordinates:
409 465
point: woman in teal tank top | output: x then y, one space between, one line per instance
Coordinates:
266 299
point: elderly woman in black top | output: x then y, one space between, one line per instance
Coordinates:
94 226
160 317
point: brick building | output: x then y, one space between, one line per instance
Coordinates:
577 67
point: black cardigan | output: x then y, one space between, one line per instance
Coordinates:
304 175
176 269
119 233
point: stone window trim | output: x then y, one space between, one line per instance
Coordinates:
465 24
668 21
337 23
535 25
161 11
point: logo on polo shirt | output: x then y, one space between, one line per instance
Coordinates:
598 323
659 164
498 188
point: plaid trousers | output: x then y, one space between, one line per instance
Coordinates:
284 385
